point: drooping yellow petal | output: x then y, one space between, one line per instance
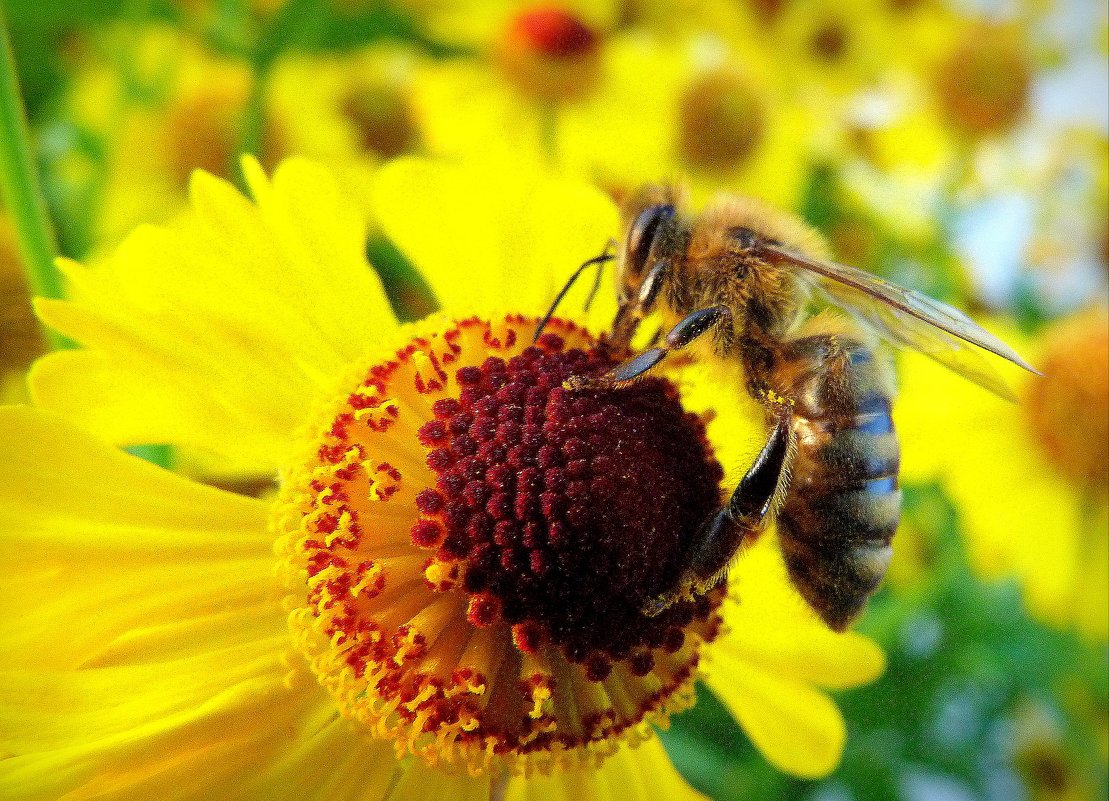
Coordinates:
104 553
775 653
643 773
504 238
797 728
769 626
219 330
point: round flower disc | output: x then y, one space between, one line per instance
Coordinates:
483 604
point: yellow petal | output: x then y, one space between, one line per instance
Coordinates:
770 627
219 330
328 760
765 666
137 556
797 728
737 427
465 108
643 773
423 781
118 732
495 237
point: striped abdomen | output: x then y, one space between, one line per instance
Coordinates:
843 504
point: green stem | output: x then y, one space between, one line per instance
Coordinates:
251 139
19 181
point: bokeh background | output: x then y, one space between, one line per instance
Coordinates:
956 147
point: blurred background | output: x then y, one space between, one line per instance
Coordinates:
960 148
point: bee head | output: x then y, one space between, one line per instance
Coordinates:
645 254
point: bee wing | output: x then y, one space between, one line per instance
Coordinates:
909 319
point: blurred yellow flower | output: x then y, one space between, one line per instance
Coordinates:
834 48
433 624
983 82
347 111
537 64
162 105
1046 761
481 25
699 109
692 108
1030 479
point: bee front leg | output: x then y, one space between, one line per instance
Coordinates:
742 519
681 335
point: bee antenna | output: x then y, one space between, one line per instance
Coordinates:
605 256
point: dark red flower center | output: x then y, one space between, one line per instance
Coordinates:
553 32
569 509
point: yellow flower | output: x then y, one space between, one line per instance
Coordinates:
480 24
1051 768
349 112
444 600
162 105
695 107
835 49
1029 479
983 83
535 64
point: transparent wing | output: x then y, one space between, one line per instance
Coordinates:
907 318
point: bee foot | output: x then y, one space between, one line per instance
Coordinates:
657 605
581 383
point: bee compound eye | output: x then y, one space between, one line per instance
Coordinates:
642 234
745 237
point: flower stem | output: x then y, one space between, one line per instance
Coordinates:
19 181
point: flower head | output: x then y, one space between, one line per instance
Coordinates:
1028 479
482 603
462 545
175 106
548 53
984 83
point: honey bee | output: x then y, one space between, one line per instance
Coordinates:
828 471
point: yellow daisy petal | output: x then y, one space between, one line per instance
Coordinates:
421 780
771 627
138 555
505 238
117 732
796 727
232 319
642 773
329 760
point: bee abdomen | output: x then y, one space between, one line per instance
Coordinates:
843 504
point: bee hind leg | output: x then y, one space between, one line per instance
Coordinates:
684 333
742 519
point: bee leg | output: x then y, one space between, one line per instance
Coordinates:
721 536
685 332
